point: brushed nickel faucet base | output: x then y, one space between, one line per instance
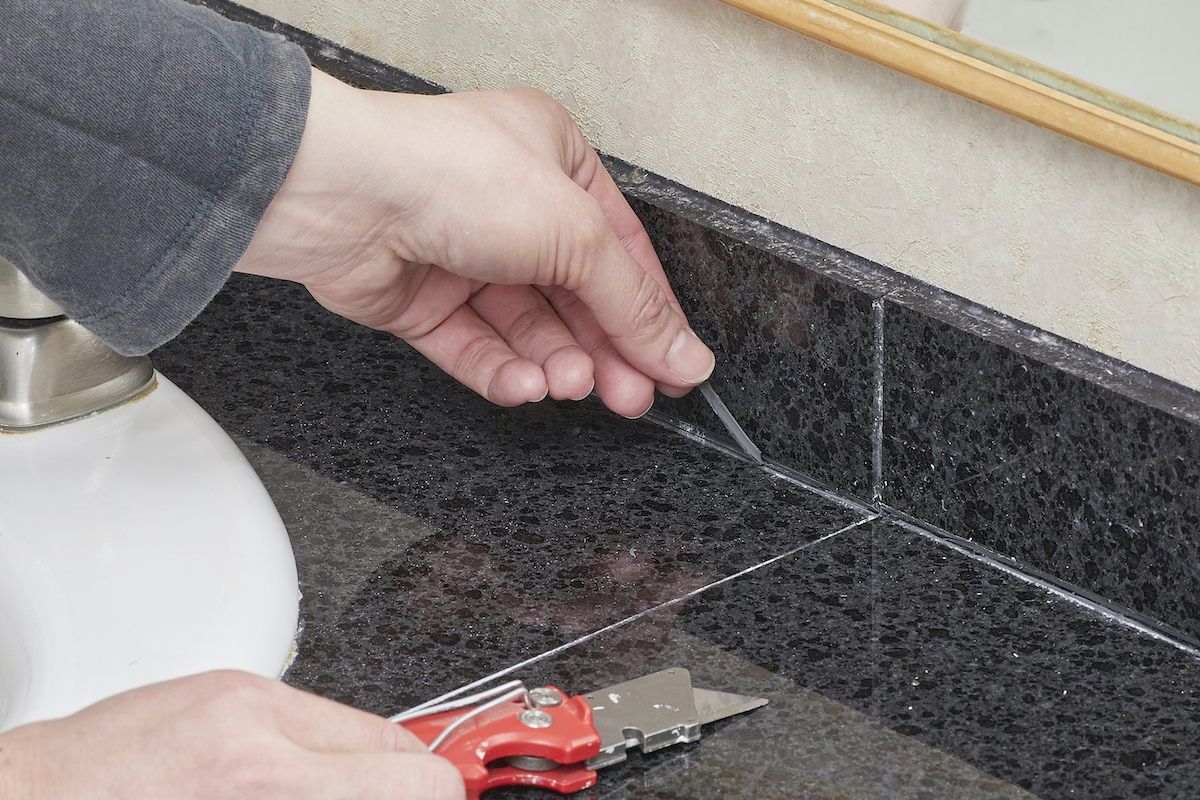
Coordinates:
52 369
55 371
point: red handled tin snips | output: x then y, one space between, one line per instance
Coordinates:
513 736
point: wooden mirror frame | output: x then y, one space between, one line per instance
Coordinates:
994 77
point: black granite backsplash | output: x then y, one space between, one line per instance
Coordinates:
1062 475
794 349
1082 485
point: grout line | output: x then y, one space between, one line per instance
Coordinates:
1152 628
876 632
877 309
665 604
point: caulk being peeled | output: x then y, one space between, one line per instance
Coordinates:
735 430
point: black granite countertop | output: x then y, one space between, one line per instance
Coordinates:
441 540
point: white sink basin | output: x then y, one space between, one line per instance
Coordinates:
136 545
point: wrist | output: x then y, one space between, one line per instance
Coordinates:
328 189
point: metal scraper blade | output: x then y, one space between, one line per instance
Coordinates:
712 706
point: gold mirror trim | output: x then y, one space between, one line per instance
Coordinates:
983 82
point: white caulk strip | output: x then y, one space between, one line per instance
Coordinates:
731 425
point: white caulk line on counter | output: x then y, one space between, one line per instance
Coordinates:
621 623
731 425
1120 616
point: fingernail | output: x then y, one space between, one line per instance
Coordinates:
585 395
689 359
644 412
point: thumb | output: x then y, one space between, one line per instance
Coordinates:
635 311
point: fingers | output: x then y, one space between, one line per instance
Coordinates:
320 725
613 269
594 178
622 387
470 351
589 173
499 190
635 312
377 776
532 328
227 736
340 752
222 697
565 221
626 309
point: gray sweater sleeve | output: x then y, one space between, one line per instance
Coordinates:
140 143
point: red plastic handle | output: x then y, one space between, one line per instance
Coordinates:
499 733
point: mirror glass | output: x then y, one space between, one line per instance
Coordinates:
1144 50
1106 52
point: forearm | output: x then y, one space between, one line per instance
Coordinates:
140 144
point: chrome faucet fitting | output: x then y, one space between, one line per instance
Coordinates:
52 369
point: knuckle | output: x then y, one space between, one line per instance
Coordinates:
540 100
230 691
529 323
227 766
602 349
471 364
585 233
240 770
651 313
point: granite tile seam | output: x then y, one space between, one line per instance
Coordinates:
1114 612
878 366
882 512
487 679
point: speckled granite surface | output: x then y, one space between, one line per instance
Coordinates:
521 529
441 540
1042 466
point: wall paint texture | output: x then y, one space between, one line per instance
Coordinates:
1020 219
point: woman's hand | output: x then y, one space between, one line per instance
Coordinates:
482 229
221 736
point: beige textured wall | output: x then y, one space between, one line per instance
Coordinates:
1025 221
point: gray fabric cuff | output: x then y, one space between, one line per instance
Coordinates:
141 143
